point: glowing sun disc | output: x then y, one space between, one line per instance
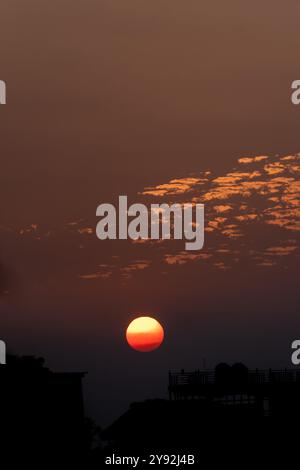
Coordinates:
144 334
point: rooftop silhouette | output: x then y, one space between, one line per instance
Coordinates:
41 411
266 392
211 410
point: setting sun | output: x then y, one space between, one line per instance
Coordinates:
144 334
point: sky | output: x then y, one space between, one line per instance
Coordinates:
163 102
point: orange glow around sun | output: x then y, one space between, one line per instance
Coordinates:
144 334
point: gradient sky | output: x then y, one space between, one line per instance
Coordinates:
162 102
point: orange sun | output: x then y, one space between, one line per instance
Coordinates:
144 334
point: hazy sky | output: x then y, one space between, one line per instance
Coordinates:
112 97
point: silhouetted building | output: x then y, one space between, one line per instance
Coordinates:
264 392
41 411
214 414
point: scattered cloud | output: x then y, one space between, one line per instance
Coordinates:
184 257
259 196
175 186
86 230
258 158
97 275
281 250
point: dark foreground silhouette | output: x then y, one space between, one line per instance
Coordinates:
213 415
228 416
41 413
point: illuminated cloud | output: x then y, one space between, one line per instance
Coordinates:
97 275
140 265
221 265
32 228
257 199
217 222
288 157
184 257
232 231
258 158
246 217
146 241
89 276
281 250
137 265
267 263
244 202
86 230
222 208
175 186
274 168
